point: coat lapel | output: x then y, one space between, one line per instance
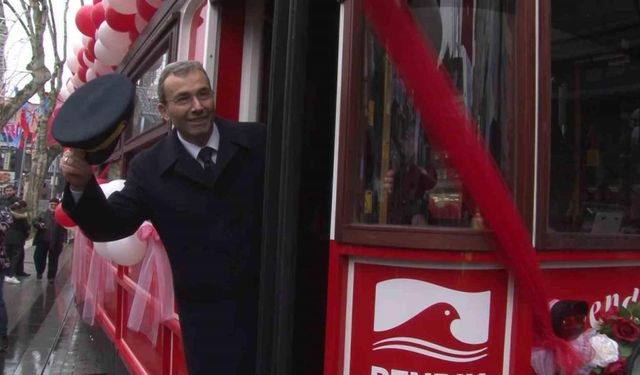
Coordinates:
226 150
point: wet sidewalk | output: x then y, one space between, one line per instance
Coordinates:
46 333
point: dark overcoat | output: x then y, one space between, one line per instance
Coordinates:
210 225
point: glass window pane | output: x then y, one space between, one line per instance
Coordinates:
146 114
474 44
595 118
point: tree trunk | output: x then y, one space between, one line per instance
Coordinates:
40 161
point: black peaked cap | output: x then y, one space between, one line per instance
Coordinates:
94 116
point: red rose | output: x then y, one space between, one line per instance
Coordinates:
625 330
615 368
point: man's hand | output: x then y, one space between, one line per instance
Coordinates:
75 169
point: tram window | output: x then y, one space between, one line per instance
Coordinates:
146 115
475 46
595 118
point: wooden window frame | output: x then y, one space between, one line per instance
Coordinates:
546 239
522 170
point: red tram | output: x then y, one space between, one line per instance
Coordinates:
362 278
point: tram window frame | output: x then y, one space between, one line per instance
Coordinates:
546 238
146 55
431 237
149 48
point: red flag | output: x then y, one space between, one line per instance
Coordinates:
50 140
24 122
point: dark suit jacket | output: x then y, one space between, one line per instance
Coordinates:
53 235
210 226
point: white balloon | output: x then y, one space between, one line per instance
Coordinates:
85 41
141 23
101 68
63 94
91 74
77 82
124 6
112 39
127 251
76 48
108 56
72 63
112 186
101 248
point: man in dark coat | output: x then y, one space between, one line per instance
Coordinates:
15 238
49 241
207 211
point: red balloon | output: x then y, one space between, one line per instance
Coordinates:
84 22
80 58
97 15
89 53
82 74
123 23
133 35
145 9
91 49
62 218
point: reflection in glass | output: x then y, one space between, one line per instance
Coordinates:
474 45
595 119
146 114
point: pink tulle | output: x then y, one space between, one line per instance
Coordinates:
80 262
155 285
93 276
100 280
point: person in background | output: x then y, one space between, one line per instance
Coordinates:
49 240
5 221
15 239
8 196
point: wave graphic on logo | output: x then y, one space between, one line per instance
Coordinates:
429 349
454 318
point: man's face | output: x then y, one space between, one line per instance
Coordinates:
52 206
9 192
190 106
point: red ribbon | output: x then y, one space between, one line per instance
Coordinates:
449 127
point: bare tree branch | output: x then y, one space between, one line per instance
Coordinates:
18 17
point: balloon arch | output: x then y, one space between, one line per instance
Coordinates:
109 28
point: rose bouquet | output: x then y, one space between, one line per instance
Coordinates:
622 326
